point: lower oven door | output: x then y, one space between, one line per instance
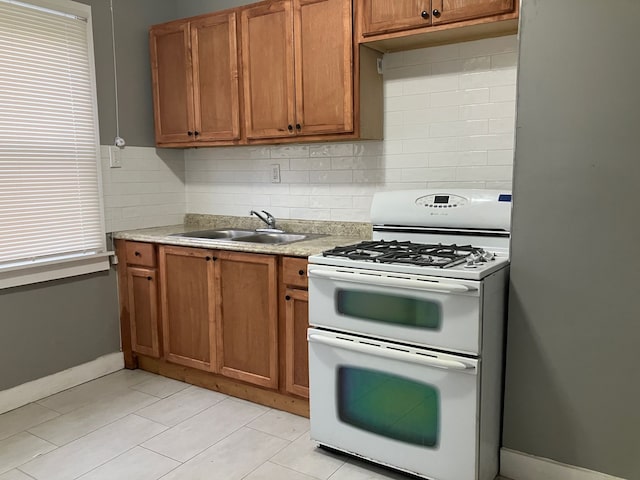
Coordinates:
431 311
412 409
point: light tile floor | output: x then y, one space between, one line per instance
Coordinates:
134 425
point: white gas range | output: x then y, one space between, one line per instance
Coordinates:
406 337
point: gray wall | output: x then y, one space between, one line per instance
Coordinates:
56 325
132 19
52 326
572 382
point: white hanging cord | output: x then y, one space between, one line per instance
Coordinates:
119 141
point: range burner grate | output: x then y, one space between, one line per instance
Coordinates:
410 253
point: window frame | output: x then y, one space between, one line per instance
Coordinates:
61 267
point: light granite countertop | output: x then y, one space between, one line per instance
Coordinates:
334 234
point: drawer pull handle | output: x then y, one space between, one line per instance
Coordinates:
137 254
301 272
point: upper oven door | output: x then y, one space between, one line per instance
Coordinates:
431 311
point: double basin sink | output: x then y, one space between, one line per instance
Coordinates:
249 236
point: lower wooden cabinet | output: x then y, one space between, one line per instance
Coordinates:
297 352
231 321
296 320
188 306
247 317
142 284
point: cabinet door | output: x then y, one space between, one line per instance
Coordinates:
188 312
172 83
445 11
246 289
383 16
267 69
215 78
143 310
323 66
297 352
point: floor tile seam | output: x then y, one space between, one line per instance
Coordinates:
132 387
96 429
185 419
273 434
17 467
293 470
305 473
103 463
25 473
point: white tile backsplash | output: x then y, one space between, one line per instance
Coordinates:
449 122
147 191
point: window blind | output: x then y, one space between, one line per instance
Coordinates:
50 194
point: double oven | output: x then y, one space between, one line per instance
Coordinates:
406 336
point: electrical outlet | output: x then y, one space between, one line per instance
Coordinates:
275 173
115 157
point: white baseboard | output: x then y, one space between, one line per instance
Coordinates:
522 466
43 387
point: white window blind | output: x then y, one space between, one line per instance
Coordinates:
51 220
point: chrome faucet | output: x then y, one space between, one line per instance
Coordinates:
269 219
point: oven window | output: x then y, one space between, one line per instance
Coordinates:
395 309
389 405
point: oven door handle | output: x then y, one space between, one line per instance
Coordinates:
392 354
386 281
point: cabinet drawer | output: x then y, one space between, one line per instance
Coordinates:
294 271
141 254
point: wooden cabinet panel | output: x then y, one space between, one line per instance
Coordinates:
188 306
267 66
445 11
143 310
247 341
382 16
139 253
297 353
323 66
215 77
172 82
294 272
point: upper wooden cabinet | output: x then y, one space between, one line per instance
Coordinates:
194 66
297 68
402 24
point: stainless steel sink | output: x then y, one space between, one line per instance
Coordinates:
271 238
217 234
248 236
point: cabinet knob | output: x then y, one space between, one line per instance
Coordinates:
287 297
137 254
290 128
149 278
436 13
298 126
196 133
208 259
301 272
190 133
424 14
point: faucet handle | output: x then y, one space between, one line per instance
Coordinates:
271 220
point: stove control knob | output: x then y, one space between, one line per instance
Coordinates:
488 256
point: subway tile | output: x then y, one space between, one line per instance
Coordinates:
439 53
500 157
331 176
331 201
503 93
489 46
311 213
290 151
488 173
290 177
331 150
487 142
475 96
428 174
453 159
504 60
289 200
502 125
502 109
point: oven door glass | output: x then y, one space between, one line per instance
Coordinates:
408 407
390 308
433 312
389 405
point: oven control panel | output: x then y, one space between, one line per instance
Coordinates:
441 201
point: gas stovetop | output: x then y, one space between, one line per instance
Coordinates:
410 257
410 253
